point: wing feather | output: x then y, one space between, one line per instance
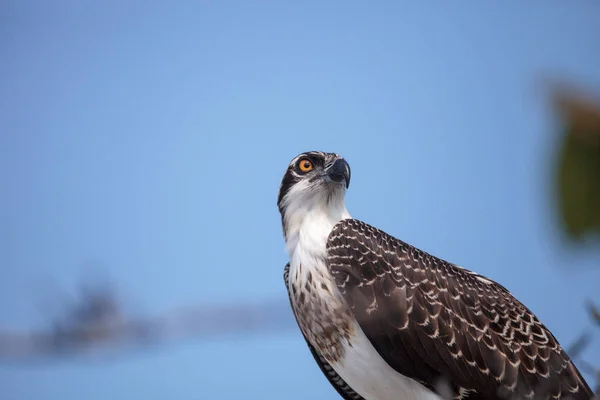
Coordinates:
430 319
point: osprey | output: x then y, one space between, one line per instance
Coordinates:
387 321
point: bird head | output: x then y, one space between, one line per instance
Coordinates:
314 182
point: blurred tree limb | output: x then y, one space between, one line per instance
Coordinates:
577 181
95 324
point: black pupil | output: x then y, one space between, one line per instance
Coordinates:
306 164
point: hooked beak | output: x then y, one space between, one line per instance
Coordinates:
339 172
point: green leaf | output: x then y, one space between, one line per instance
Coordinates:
579 184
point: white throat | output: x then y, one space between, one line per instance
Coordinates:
308 222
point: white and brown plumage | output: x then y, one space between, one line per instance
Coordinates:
387 321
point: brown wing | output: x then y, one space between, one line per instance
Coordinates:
430 319
334 379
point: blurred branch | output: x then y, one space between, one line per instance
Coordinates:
96 322
594 312
577 348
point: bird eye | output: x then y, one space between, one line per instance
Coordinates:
305 165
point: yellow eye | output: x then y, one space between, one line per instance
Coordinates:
305 165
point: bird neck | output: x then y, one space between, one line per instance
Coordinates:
308 227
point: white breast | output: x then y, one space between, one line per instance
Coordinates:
370 376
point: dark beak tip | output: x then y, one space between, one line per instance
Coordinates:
340 172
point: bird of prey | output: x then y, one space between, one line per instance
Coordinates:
387 321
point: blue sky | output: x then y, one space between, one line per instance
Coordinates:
149 139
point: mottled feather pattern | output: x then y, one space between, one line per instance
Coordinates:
430 319
338 383
323 318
